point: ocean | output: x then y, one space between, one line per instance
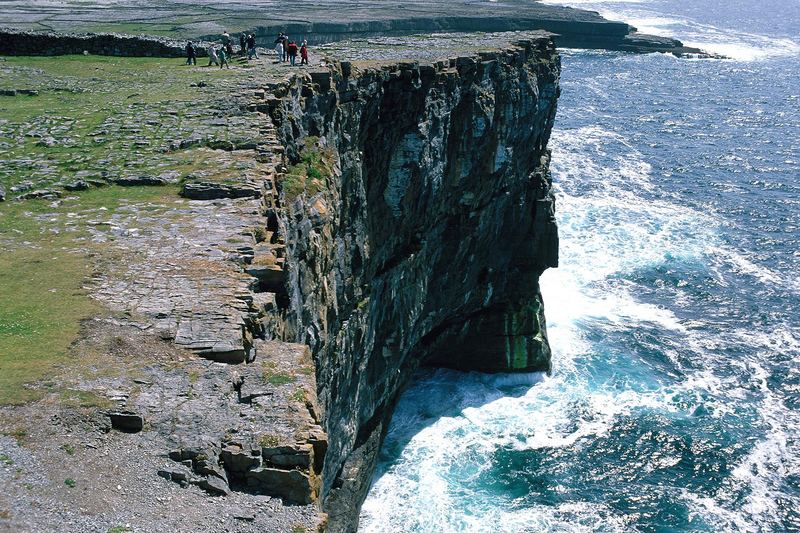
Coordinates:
674 317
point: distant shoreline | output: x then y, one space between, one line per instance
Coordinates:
329 21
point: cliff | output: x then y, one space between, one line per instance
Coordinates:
572 28
418 215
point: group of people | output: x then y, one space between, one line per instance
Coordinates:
286 49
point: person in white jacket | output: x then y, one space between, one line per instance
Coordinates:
212 56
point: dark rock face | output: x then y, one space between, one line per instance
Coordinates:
426 242
573 28
126 421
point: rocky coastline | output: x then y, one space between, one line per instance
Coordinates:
389 214
324 23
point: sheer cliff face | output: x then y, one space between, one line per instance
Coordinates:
425 243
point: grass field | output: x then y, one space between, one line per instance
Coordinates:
45 260
94 118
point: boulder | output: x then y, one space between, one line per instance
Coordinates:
77 185
271 278
214 486
137 181
22 187
207 190
293 486
178 475
300 455
238 460
40 194
126 421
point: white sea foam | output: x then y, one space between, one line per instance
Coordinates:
733 44
449 426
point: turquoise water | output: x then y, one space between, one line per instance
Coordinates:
674 317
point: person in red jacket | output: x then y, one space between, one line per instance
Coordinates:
304 53
292 51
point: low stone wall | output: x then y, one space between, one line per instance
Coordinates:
28 43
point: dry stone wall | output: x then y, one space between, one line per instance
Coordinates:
29 43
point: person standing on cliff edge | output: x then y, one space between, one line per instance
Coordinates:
223 58
279 47
212 55
292 52
304 53
191 54
251 47
285 48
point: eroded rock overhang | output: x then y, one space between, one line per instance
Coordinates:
420 235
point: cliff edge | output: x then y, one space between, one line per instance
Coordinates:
418 216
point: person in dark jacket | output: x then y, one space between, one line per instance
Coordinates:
251 47
191 54
286 48
304 53
242 43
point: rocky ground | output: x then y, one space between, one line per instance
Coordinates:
136 266
63 468
208 17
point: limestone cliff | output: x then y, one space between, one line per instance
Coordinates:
416 229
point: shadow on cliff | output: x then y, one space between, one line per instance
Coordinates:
436 394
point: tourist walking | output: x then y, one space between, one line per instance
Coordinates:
251 47
212 56
191 54
292 52
242 42
223 58
304 53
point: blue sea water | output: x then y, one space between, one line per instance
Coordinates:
674 317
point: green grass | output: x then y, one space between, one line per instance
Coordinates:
45 259
268 441
68 448
97 90
299 395
311 173
119 529
69 482
80 398
279 378
41 278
